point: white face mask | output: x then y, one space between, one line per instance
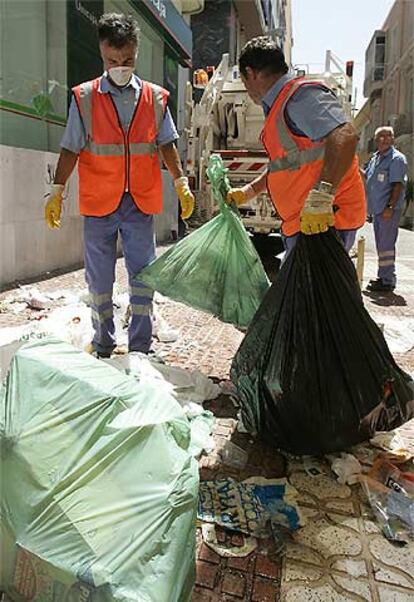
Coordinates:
120 75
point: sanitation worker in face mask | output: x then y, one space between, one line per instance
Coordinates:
117 124
313 174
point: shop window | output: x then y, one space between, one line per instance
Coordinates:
171 83
33 64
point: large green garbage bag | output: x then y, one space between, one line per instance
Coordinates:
98 490
216 268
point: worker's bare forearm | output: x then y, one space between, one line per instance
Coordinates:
340 149
172 160
66 165
260 184
395 193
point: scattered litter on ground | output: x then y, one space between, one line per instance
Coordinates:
233 455
250 505
398 332
393 510
248 546
312 466
393 444
346 467
391 476
35 299
163 332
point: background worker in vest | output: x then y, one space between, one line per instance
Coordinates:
386 178
116 125
313 174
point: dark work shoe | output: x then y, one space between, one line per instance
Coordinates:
380 287
374 280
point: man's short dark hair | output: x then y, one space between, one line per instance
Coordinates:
118 30
262 54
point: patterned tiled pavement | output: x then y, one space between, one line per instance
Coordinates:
340 555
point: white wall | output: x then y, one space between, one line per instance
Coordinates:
27 247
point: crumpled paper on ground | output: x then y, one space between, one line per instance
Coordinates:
346 467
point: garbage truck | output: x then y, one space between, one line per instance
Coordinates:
226 121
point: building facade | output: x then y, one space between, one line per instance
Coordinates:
389 81
48 46
224 26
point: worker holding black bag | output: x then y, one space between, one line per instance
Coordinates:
313 174
314 374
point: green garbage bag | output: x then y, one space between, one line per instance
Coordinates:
216 268
99 492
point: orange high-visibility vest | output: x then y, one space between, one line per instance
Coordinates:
115 161
295 166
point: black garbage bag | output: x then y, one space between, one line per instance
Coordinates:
314 373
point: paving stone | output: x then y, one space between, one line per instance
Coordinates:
327 537
241 564
391 594
390 557
316 593
208 554
354 568
351 586
266 568
234 584
202 595
264 590
206 574
299 571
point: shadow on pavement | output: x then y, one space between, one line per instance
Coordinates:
385 299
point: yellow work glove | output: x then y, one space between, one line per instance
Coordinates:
53 207
240 196
185 196
317 214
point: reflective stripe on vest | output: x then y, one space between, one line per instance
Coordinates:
295 157
85 99
295 164
119 159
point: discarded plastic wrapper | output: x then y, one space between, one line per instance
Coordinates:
216 268
392 477
314 373
348 469
393 510
99 490
245 506
233 455
393 444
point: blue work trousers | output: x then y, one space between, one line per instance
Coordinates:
386 233
138 242
347 237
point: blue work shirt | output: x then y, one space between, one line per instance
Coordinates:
381 173
313 111
125 99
